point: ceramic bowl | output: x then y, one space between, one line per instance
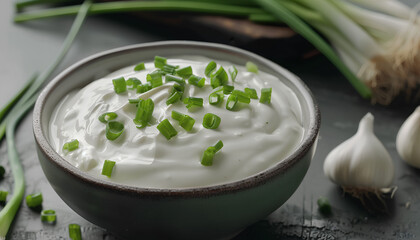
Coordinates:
214 212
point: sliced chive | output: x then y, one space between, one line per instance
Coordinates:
219 78
227 89
132 83
193 101
160 61
75 232
71 146
231 102
178 88
48 216
169 69
166 128
196 81
233 72
139 67
184 72
324 205
211 66
107 168
172 78
3 196
211 121
155 79
215 98
173 98
251 67
113 130
108 116
142 88
144 113
119 85
242 96
34 200
134 100
177 115
2 172
265 95
187 122
252 93
208 154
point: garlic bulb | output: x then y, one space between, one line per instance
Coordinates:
362 161
408 139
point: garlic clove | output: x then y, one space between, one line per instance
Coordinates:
361 161
408 139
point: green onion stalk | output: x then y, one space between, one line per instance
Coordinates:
22 103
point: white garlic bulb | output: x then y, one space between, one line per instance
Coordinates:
408 139
361 161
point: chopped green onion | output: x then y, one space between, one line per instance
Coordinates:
142 88
211 121
210 68
193 101
231 102
252 93
160 62
178 88
233 73
132 83
134 100
197 81
155 79
75 232
215 98
34 200
184 72
71 146
139 67
107 168
169 69
172 78
114 129
324 205
119 85
242 96
48 216
266 95
184 120
2 172
3 196
173 98
166 128
219 78
251 67
108 116
144 113
208 155
227 89
177 115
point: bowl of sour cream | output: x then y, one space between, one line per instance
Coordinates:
175 140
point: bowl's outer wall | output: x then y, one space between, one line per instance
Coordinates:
182 215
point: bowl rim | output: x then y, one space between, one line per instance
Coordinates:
251 181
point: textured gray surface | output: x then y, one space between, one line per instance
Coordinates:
30 47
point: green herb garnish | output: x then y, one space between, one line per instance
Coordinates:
251 92
172 78
211 121
231 102
193 101
233 73
211 66
142 88
184 120
48 216
160 61
155 79
71 146
266 95
34 200
107 168
132 83
219 78
208 154
166 128
75 232
139 67
184 72
108 116
227 89
113 130
242 96
251 67
119 85
197 81
144 113
3 196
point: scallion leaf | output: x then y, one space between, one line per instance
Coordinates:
71 146
242 96
233 72
231 102
215 98
219 78
144 113
252 93
193 101
266 95
3 196
142 88
134 100
172 78
114 129
166 129
169 69
155 79
177 115
48 216
227 89
208 154
160 61
184 72
173 98
107 168
211 121
34 200
132 83
196 81
74 232
108 116
119 85
251 67
184 120
211 66
139 67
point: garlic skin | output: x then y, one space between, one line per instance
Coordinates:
408 139
361 161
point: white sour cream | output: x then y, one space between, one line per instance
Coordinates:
255 136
